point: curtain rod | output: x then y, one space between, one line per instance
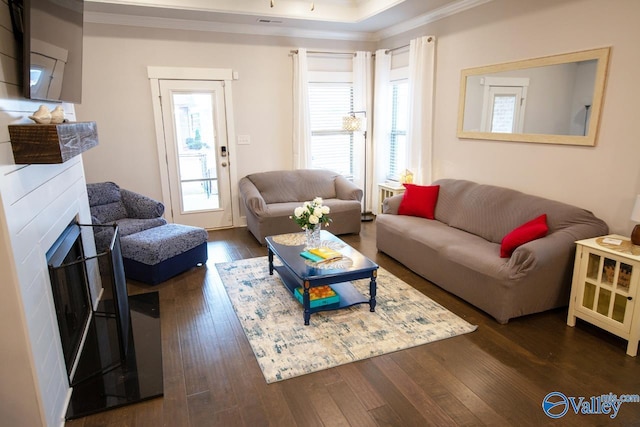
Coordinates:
388 51
295 52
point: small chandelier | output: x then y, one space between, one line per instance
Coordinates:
273 3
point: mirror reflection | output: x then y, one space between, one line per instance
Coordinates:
555 99
53 57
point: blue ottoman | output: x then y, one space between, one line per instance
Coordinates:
157 254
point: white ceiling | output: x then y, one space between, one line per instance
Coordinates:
367 20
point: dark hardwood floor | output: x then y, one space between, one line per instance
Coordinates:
497 375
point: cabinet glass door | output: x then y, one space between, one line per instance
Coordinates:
606 287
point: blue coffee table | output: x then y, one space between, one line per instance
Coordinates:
295 272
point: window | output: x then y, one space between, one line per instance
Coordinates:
331 147
504 113
398 135
34 76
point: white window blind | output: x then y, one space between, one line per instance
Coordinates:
398 135
331 147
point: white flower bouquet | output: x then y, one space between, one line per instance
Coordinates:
311 213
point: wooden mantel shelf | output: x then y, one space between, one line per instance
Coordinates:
42 144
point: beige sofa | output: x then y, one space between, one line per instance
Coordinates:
459 250
270 198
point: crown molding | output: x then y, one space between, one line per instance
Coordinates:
222 27
280 31
435 15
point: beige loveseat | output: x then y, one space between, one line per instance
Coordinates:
270 198
459 250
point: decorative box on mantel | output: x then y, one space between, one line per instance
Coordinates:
57 143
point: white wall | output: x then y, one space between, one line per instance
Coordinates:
116 94
604 179
36 203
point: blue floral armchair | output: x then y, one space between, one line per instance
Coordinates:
132 212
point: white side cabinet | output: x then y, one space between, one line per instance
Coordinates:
389 190
604 290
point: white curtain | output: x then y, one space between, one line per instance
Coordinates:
420 126
382 123
362 98
301 121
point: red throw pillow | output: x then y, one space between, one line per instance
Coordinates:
419 200
532 230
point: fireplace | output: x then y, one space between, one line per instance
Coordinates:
70 289
104 367
37 204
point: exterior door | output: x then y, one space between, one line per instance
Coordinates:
195 135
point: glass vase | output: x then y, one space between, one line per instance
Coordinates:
312 236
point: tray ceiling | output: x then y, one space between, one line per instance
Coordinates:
346 19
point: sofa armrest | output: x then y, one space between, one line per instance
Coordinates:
390 204
140 206
556 249
347 190
550 252
253 200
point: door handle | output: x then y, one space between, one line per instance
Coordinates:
224 164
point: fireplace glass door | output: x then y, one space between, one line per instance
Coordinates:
70 290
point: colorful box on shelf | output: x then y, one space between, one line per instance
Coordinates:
318 296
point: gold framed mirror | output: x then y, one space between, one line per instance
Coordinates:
554 99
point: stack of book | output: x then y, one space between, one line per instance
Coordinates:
318 296
321 254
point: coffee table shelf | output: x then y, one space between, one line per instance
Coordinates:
349 295
295 272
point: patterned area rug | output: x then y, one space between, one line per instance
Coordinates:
272 321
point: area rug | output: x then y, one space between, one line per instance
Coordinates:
285 348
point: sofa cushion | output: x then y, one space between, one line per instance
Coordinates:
103 193
109 212
105 202
419 200
493 212
127 226
534 229
157 244
294 186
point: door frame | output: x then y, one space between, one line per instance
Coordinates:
226 75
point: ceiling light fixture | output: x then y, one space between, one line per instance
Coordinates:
313 5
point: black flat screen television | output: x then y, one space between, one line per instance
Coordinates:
51 35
